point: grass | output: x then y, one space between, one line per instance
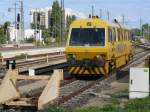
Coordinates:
137 105
114 104
53 108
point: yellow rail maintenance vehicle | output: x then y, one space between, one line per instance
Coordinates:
95 47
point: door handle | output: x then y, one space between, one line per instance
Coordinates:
131 82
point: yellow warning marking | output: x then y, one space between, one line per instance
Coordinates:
71 70
102 71
97 71
81 71
92 72
86 72
77 69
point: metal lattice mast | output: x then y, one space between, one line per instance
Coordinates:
101 13
108 15
22 21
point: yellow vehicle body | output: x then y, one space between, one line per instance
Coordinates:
115 52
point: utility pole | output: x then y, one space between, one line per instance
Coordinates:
123 19
22 20
108 15
61 5
18 5
18 26
101 13
92 10
62 21
38 26
141 27
15 22
148 30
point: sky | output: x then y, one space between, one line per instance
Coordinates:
132 10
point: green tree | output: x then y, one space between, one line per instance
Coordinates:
146 30
63 35
145 26
46 34
32 25
136 32
30 40
2 36
69 20
74 17
55 19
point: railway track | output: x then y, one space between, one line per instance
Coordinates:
74 91
82 95
33 61
23 66
80 91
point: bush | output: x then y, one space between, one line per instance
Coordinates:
31 40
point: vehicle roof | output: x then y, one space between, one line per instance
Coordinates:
96 22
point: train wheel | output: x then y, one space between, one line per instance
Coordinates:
128 59
110 67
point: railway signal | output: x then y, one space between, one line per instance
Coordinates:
18 21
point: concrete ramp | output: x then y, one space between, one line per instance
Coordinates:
8 90
12 97
51 91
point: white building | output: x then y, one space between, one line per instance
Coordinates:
31 33
28 33
12 33
15 34
45 15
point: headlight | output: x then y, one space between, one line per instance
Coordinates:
71 59
71 56
98 57
99 61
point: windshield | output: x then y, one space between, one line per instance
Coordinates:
87 37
